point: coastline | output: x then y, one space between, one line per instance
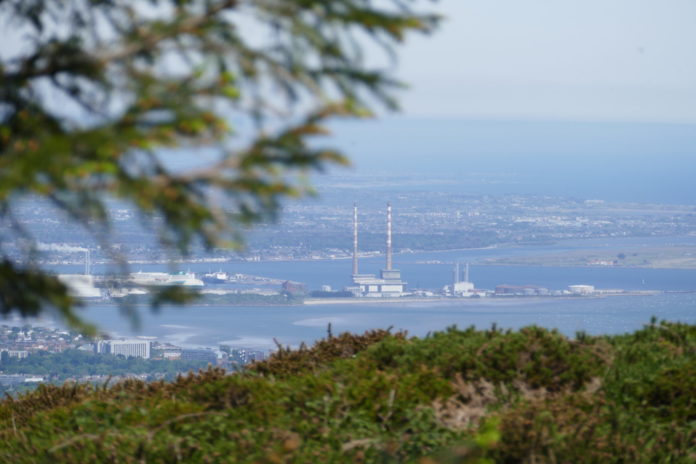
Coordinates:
659 257
439 300
584 266
368 301
451 300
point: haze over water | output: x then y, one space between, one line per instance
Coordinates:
627 162
257 327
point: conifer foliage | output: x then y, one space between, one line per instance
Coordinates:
93 94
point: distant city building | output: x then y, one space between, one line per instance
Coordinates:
245 356
135 348
19 354
16 379
171 354
199 355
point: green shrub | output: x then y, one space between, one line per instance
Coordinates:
459 396
536 356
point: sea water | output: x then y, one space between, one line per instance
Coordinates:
259 326
262 327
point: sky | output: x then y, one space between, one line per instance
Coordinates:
592 98
590 60
539 86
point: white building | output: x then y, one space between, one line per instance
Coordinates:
581 289
135 348
460 287
388 284
463 288
19 354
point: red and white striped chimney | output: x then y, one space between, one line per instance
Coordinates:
389 237
355 239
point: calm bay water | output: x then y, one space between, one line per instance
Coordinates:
438 273
257 327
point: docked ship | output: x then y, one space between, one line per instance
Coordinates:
219 277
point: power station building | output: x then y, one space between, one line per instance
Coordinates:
389 283
461 287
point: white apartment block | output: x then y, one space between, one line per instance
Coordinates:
135 348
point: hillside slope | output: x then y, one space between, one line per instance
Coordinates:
531 395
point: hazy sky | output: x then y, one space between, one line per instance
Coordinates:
596 60
586 60
584 93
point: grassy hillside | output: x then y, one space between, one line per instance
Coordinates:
457 396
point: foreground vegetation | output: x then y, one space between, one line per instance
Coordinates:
456 396
78 363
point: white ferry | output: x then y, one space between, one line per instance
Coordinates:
219 277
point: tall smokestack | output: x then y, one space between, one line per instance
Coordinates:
355 239
466 278
389 237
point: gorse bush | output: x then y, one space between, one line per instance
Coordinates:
459 396
287 361
536 356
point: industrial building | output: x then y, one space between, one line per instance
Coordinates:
521 290
389 283
581 289
462 288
